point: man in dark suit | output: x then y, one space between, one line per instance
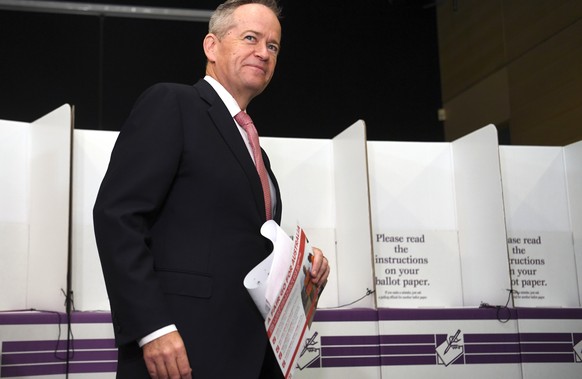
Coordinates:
178 215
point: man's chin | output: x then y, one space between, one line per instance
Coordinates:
257 86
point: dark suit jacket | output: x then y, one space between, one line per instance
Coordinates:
177 222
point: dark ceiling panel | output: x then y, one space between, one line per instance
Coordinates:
340 62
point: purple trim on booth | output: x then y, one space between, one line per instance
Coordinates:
548 358
545 337
549 313
32 317
349 351
407 338
58 357
103 317
349 340
493 337
46 345
394 314
491 348
56 369
350 362
47 317
31 358
338 315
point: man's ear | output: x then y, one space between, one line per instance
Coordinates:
209 44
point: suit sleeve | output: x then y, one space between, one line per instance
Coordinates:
143 165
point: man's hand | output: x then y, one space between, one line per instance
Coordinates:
165 357
319 268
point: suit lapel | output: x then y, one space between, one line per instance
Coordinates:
227 128
278 205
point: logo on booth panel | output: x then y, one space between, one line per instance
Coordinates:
578 347
310 353
450 349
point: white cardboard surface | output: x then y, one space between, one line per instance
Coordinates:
536 202
481 219
35 169
14 214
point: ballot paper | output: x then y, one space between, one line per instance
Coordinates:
282 290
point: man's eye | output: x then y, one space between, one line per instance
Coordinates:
251 38
274 48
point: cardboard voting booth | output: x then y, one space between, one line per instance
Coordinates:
324 189
91 150
35 163
540 235
429 243
438 222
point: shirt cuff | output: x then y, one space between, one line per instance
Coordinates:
157 334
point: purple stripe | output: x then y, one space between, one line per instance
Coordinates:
550 313
547 347
407 349
349 340
358 314
350 362
546 337
16 359
23 318
493 337
36 370
409 360
43 317
78 368
349 351
22 346
385 314
55 369
382 314
493 348
91 317
547 358
492 358
406 338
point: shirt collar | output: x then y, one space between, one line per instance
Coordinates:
226 97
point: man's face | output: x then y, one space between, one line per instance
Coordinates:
245 58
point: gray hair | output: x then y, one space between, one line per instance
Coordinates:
221 19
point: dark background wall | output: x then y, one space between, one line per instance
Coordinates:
375 60
516 64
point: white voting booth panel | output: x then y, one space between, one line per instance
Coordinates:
91 152
551 346
573 164
540 239
35 161
324 189
14 217
438 223
320 192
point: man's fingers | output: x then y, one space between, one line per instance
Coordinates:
166 357
183 366
320 267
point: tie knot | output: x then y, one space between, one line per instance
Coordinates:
243 118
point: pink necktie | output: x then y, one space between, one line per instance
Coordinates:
244 120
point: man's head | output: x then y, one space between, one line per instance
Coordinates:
242 45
